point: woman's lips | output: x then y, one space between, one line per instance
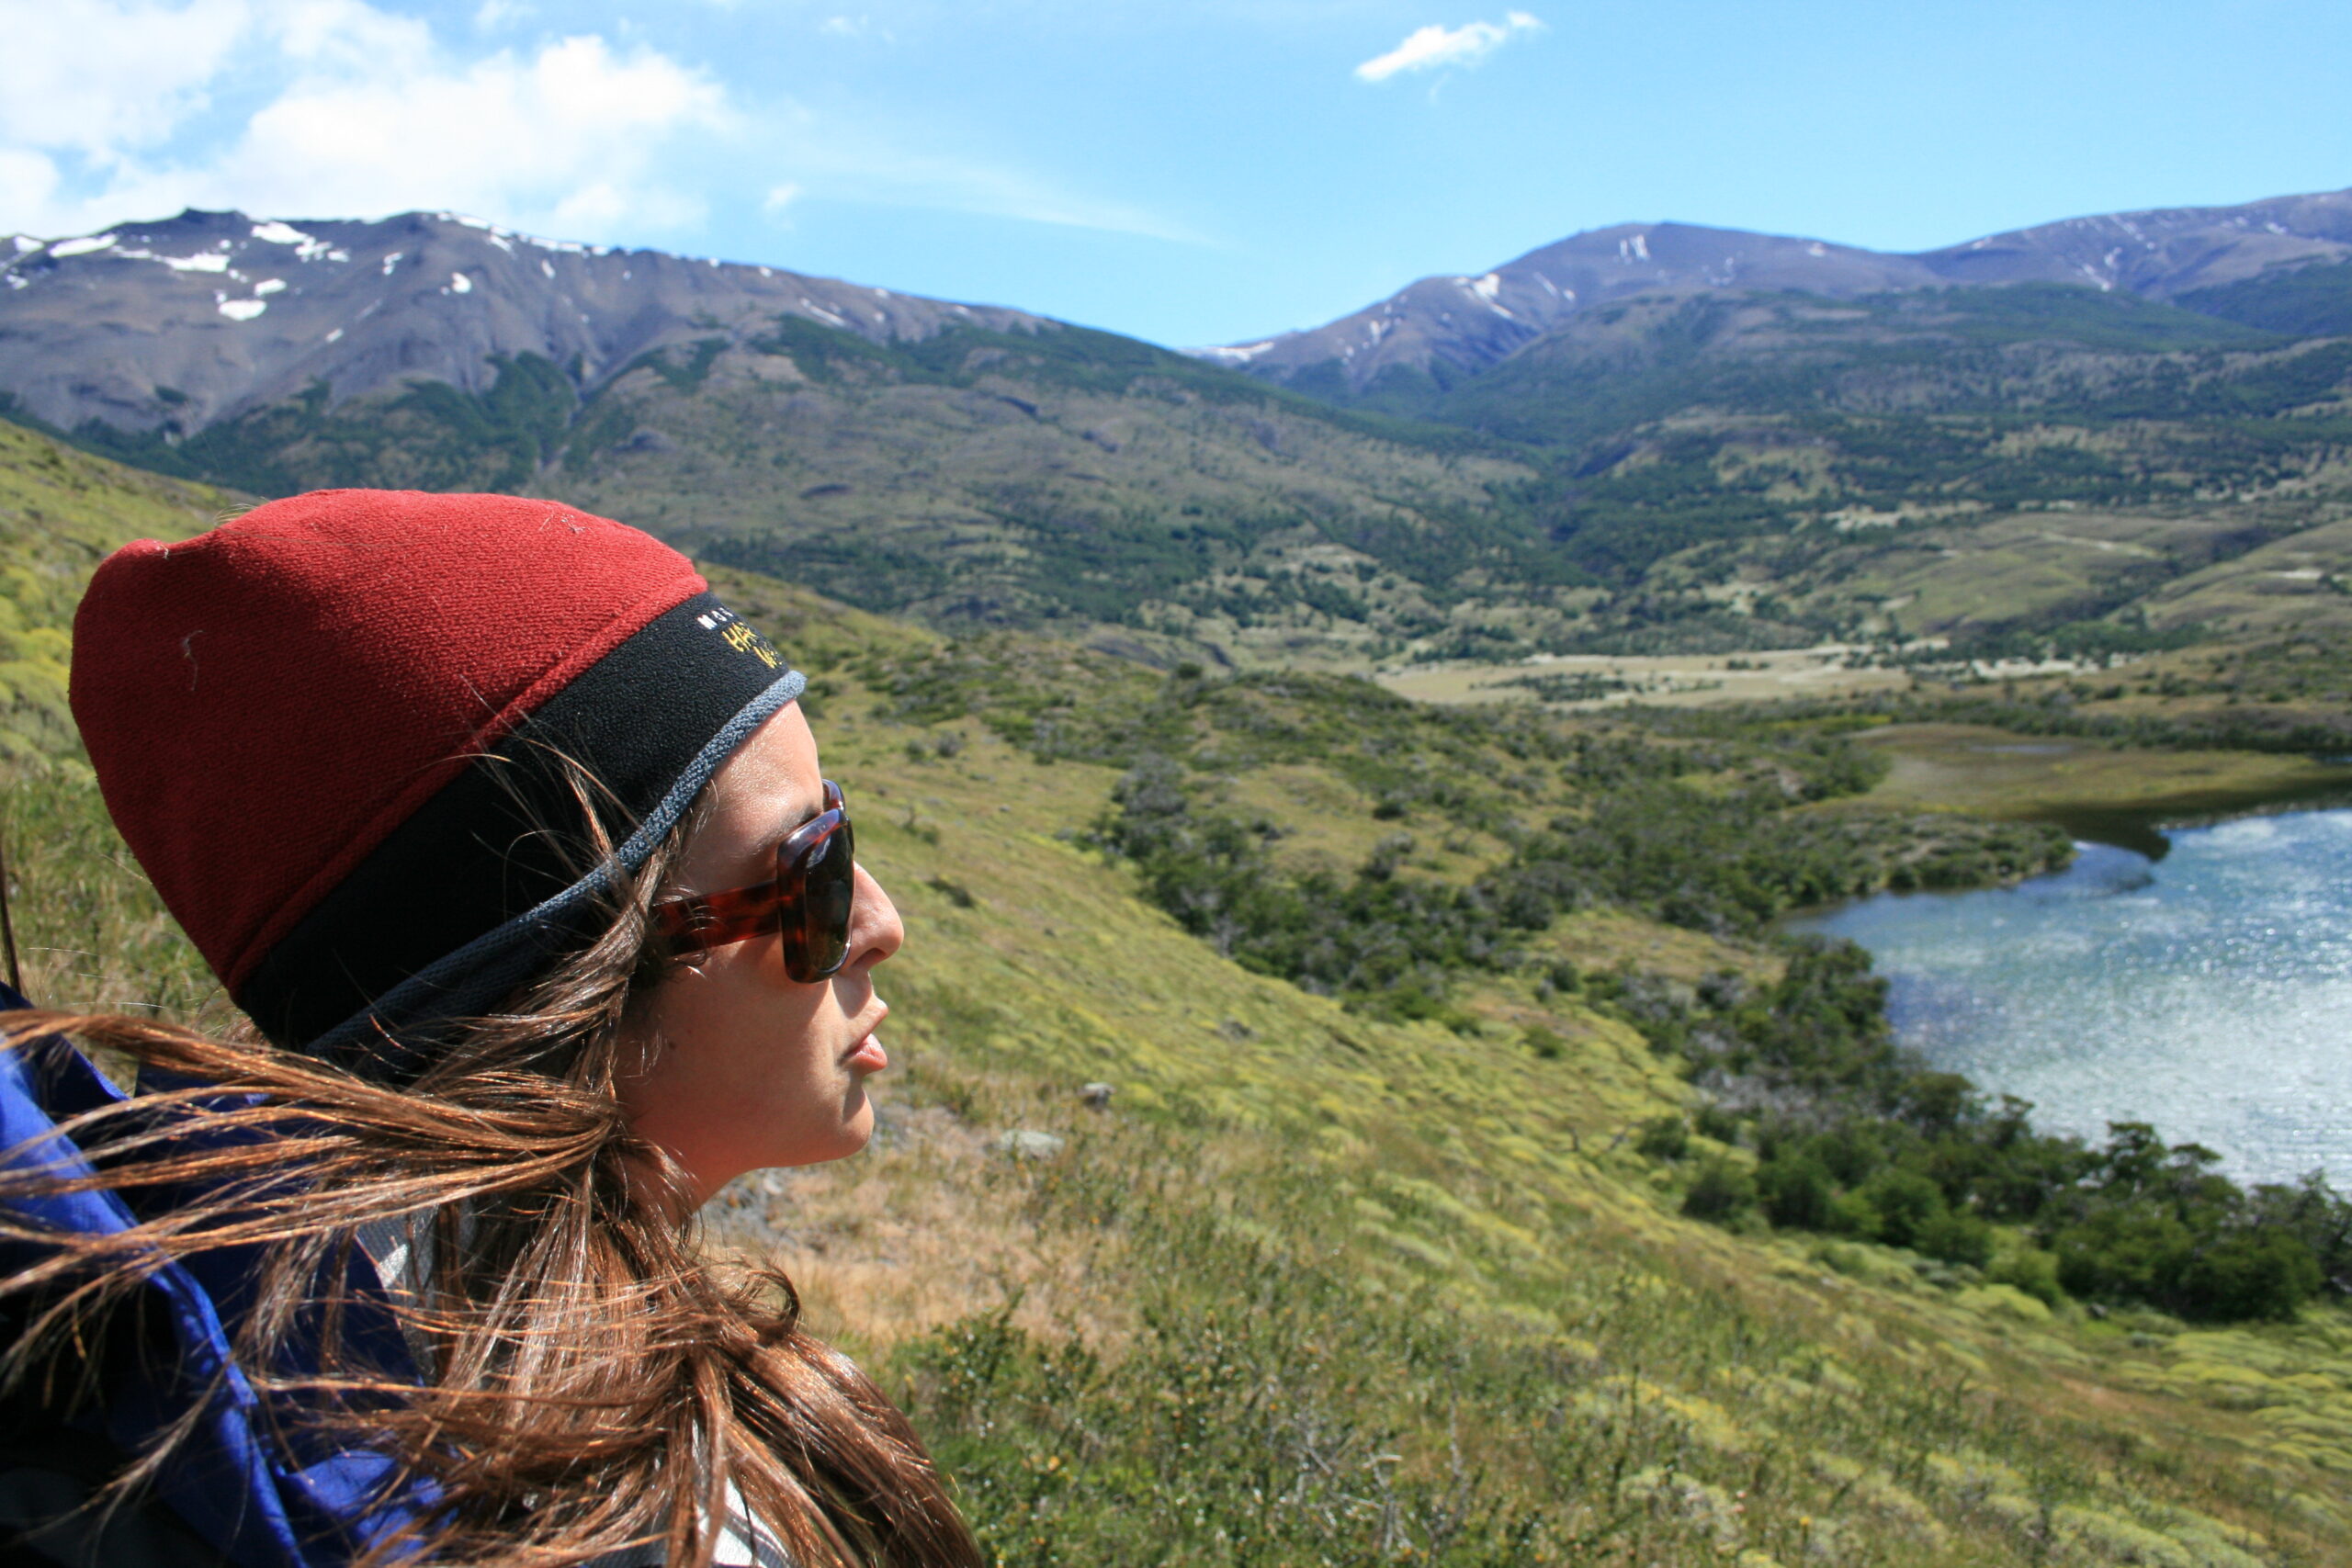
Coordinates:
868 1056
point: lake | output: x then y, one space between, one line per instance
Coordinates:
2208 992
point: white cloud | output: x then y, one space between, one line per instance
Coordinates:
124 109
1433 48
100 79
27 183
350 36
564 135
365 113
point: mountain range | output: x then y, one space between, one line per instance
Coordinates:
1445 328
217 313
1646 438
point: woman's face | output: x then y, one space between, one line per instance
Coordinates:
741 1066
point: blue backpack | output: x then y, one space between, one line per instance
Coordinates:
241 1488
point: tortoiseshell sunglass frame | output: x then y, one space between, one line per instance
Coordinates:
812 916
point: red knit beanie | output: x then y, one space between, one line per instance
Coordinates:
326 731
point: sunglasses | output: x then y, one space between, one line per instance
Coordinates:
807 902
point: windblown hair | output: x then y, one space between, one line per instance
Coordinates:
592 1385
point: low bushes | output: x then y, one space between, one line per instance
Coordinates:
1713 822
1853 1138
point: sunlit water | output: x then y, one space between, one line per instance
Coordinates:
2209 993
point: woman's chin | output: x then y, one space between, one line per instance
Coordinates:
857 1122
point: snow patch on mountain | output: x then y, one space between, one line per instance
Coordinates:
1237 353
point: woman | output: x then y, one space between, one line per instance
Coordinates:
511 843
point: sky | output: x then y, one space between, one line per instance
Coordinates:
1187 170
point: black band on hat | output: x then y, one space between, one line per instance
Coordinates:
477 890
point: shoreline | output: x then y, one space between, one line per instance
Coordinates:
2123 796
2147 830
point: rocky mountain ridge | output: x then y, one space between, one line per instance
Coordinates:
180 324
964 465
1447 328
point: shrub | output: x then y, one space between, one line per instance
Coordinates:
1722 1192
1716 1122
1850 1213
2249 1274
2131 1251
1796 1193
1848 1153
1956 1236
2033 1271
1668 1137
1904 1202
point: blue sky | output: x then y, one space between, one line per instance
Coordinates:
1189 171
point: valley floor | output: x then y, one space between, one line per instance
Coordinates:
1590 680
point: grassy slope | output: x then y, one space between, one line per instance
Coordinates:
60 512
87 925
1318 1287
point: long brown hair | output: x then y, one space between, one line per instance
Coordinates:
592 1382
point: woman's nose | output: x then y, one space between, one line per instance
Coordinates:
874 929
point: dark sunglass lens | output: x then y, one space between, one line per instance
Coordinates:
827 890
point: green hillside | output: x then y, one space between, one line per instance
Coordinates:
1067 479
1717 474
1646 357
1775 467
60 512
1378 1250
2303 301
